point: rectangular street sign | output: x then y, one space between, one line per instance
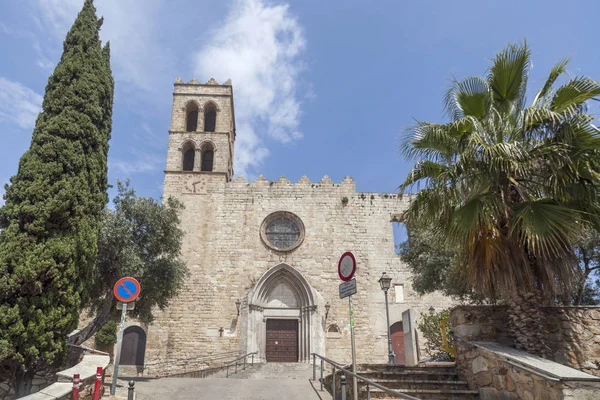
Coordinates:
130 306
348 288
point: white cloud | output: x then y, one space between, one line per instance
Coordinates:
258 47
132 27
19 104
140 162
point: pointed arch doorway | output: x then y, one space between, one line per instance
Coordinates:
282 317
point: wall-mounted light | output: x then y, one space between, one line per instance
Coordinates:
238 303
327 307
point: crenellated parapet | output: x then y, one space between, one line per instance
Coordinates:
283 182
210 82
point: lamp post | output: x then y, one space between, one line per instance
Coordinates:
237 305
385 282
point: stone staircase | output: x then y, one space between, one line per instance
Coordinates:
434 381
272 371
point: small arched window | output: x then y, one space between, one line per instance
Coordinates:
207 159
189 154
191 121
210 117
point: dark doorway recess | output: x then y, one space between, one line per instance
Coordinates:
282 340
133 347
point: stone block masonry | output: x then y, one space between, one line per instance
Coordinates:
229 260
571 333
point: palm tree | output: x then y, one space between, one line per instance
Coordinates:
513 187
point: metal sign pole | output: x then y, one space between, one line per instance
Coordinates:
113 387
354 384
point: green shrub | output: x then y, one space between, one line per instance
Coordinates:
107 335
429 325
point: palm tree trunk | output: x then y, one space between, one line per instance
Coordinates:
525 322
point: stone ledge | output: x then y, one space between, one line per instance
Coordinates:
547 367
55 391
86 370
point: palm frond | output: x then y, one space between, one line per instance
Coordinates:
469 97
427 140
546 228
508 77
425 170
558 69
570 97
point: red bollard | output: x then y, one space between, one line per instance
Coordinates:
98 385
76 387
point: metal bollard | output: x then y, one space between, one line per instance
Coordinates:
252 358
130 393
314 366
236 366
321 374
333 383
75 386
368 392
343 384
98 384
244 362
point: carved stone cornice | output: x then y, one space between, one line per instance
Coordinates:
254 307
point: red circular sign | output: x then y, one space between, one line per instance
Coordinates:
126 289
347 266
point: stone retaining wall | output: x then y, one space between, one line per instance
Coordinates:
41 380
496 379
571 333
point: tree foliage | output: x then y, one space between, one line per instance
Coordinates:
512 187
51 218
429 326
107 335
434 264
140 238
587 276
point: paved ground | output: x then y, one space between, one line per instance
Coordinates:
226 389
261 382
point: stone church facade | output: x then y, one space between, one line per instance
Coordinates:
263 255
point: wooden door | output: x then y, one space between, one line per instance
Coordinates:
282 340
397 333
133 347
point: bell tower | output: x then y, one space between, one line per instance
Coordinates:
202 131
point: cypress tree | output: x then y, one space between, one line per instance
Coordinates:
52 214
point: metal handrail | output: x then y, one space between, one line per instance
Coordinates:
244 357
363 379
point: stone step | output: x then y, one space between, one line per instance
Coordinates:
427 375
426 394
422 384
434 367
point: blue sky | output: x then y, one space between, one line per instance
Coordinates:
322 87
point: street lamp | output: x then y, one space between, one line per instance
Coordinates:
327 307
385 282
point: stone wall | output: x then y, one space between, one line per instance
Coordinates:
229 261
571 333
41 380
496 379
226 258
